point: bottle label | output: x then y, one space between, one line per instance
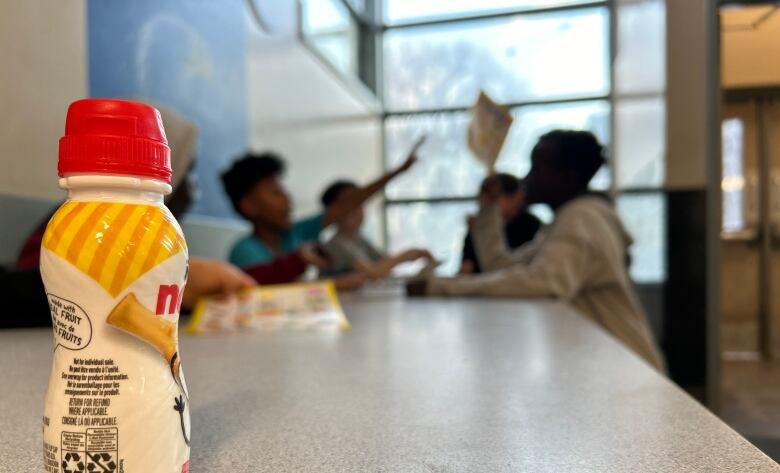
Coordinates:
117 400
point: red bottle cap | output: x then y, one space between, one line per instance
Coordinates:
114 137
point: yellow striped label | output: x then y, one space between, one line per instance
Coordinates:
113 243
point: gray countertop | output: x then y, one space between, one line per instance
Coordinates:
416 386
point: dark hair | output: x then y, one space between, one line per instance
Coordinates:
507 183
336 190
247 171
579 151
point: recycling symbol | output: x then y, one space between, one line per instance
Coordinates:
100 463
72 463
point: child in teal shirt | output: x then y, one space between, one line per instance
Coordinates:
251 250
256 192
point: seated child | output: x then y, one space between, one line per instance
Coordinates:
520 226
257 194
581 258
348 251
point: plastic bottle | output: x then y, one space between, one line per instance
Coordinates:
114 263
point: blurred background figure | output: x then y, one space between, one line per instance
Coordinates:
349 251
582 257
520 226
254 186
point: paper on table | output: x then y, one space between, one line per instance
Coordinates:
299 306
490 123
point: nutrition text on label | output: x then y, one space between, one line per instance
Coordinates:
90 385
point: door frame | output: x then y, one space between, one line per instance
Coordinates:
760 100
713 198
715 96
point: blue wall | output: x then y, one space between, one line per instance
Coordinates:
186 53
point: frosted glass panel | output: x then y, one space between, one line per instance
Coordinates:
644 216
733 183
640 64
447 168
416 10
514 59
360 6
640 142
440 227
328 27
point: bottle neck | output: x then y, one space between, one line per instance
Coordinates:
114 188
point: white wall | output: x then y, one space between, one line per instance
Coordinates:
44 58
324 128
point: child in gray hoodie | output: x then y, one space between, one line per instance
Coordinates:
581 258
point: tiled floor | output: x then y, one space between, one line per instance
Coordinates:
750 402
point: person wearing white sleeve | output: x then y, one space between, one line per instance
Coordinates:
581 258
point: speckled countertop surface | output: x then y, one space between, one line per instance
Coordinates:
416 386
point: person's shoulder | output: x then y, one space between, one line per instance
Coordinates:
247 250
591 216
588 204
594 219
311 221
586 213
246 242
308 228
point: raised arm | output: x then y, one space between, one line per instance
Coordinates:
355 198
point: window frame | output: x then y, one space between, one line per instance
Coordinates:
488 15
607 4
371 29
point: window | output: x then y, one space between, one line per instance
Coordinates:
515 59
448 168
329 28
644 216
549 62
640 64
405 11
639 108
550 67
360 6
640 126
733 183
440 227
